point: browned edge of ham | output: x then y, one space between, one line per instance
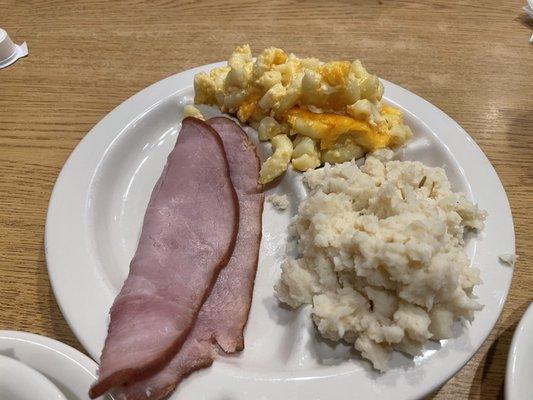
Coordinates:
223 316
188 235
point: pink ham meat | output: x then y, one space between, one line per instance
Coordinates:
188 235
224 314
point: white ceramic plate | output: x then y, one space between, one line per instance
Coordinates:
69 370
518 382
96 212
21 382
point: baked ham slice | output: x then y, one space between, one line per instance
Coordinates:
224 314
188 235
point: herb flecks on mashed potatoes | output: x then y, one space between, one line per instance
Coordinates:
336 105
381 255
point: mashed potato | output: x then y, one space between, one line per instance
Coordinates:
279 201
381 255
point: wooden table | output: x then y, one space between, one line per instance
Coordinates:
471 59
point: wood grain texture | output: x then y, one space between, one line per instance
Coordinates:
470 58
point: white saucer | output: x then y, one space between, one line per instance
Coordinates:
69 370
518 382
21 382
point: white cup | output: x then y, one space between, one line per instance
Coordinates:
8 49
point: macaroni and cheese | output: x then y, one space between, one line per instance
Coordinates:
330 112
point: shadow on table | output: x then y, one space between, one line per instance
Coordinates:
50 309
525 20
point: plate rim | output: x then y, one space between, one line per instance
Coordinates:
146 99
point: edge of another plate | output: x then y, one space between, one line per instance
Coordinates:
521 343
45 356
31 380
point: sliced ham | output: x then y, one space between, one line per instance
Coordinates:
188 235
223 316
